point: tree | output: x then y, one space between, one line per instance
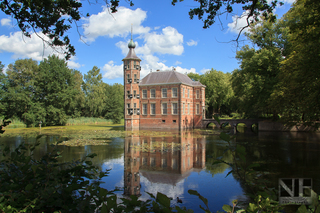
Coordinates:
3 83
257 77
218 90
54 17
56 90
298 94
114 103
95 94
20 87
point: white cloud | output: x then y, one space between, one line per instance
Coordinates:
33 47
192 43
238 22
172 191
25 47
72 64
110 24
169 42
204 70
178 62
112 71
5 22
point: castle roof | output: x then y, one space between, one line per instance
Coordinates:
131 54
168 77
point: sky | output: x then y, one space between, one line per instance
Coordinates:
165 37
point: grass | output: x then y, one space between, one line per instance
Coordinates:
88 120
15 123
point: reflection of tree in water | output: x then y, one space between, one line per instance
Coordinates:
280 155
104 153
214 151
161 160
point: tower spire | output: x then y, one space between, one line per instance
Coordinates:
131 43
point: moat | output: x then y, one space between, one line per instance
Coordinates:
173 164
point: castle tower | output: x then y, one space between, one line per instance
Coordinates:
131 69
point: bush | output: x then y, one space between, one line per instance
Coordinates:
45 185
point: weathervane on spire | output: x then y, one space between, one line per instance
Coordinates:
131 43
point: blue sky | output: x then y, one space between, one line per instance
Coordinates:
165 37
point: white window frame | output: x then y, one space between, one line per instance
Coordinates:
173 109
162 93
188 93
128 108
197 109
152 104
162 108
144 95
183 93
144 109
173 93
188 108
183 108
151 93
197 94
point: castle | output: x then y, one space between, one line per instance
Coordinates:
162 99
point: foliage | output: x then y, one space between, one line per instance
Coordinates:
218 91
297 94
19 85
114 106
86 120
52 18
45 185
209 10
256 79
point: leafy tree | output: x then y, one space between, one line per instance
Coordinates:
257 77
78 104
298 93
114 103
20 87
3 81
194 76
218 91
55 90
95 94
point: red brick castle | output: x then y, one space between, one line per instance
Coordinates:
162 99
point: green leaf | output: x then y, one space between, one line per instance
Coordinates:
92 155
227 208
252 207
216 118
224 136
104 209
302 209
88 162
29 187
229 173
163 199
193 192
103 192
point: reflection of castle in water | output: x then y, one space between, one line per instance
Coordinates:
161 159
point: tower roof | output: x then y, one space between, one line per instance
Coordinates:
168 77
131 54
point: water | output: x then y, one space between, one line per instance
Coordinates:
174 164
